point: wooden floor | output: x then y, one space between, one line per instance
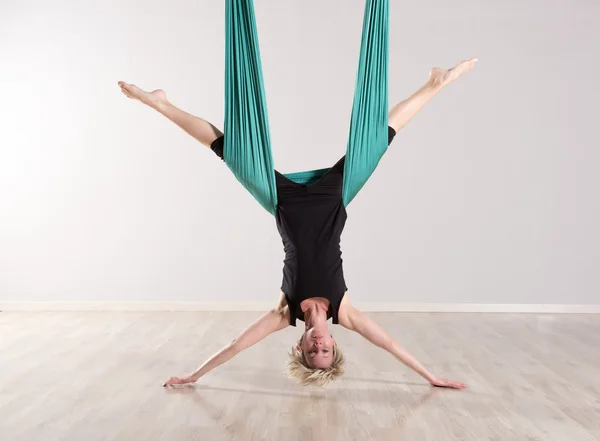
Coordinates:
97 376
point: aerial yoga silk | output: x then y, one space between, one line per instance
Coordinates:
247 142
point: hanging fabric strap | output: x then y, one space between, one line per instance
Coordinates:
247 149
368 138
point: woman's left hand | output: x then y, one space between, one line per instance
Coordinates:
442 382
179 380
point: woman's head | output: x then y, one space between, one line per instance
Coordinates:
315 359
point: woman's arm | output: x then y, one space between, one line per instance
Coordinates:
273 320
351 318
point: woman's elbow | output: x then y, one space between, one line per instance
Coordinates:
234 346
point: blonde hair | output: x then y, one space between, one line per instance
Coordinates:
299 370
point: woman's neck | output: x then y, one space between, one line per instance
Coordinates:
315 316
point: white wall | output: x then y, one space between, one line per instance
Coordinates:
489 196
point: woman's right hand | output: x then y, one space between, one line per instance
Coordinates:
179 380
442 382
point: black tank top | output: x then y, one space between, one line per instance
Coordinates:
310 219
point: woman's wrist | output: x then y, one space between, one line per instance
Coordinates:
429 377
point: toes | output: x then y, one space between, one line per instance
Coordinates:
470 63
128 87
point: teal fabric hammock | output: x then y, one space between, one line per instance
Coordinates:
247 142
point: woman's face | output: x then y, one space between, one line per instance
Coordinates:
317 347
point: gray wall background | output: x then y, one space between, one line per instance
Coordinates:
489 196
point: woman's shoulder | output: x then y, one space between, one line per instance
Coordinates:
282 307
345 312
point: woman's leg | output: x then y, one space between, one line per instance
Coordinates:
403 112
200 129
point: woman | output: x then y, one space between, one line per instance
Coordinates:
310 218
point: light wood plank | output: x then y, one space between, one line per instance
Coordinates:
98 375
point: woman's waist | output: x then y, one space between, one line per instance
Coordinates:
317 270
310 256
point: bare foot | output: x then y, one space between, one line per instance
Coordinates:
152 99
443 77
